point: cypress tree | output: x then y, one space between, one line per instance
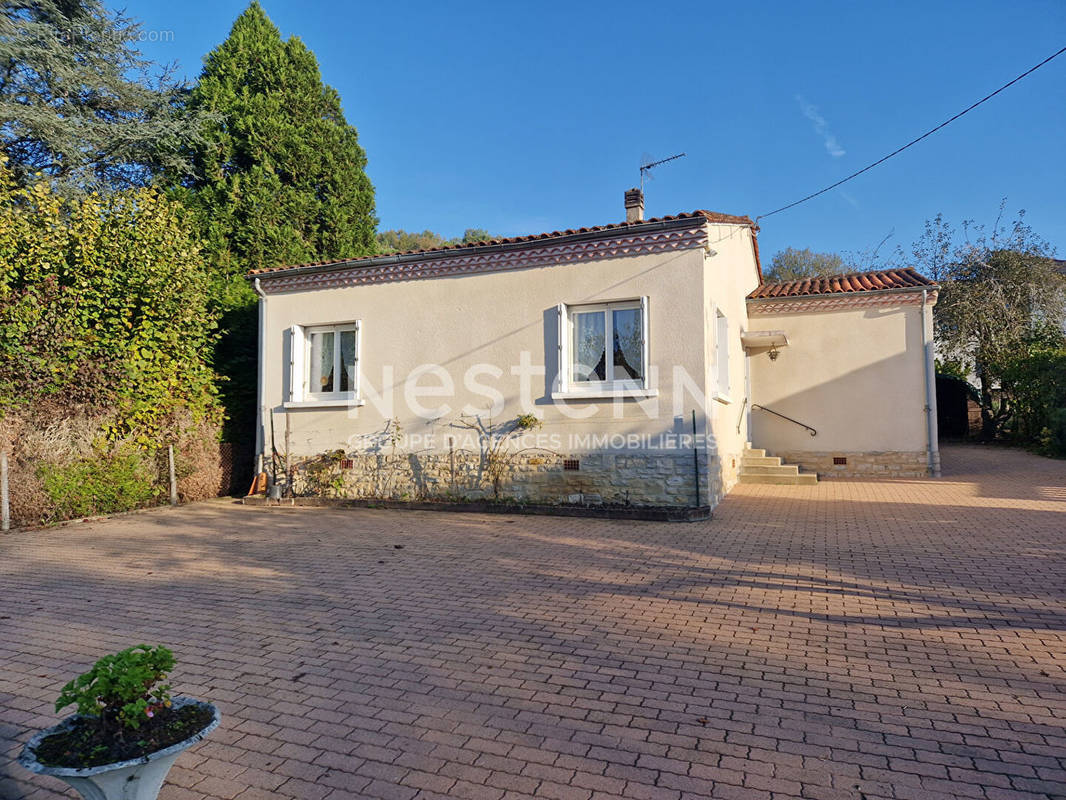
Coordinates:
280 177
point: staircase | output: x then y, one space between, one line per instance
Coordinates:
757 467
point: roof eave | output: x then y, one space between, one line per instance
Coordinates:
897 290
451 252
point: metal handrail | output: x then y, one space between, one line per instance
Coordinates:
740 420
793 421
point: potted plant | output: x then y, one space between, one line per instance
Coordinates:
128 731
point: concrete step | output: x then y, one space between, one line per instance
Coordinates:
776 469
800 479
759 461
757 467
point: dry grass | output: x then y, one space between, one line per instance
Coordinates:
58 440
30 503
33 442
196 454
62 441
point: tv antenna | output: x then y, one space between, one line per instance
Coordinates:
646 166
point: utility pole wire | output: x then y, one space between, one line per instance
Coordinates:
914 141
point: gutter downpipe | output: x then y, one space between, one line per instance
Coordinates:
259 433
932 434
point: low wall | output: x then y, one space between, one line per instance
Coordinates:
649 479
889 464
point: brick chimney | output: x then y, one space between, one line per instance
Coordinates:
634 205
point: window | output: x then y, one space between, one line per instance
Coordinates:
603 348
324 365
721 350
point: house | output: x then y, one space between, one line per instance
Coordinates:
630 362
859 371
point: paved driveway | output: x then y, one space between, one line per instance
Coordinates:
855 639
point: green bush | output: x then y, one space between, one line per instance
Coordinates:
123 689
1056 433
104 303
1035 385
117 481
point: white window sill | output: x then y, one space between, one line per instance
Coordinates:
343 402
724 399
604 394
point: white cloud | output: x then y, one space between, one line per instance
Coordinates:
821 127
851 200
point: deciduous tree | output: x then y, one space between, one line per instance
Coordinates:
1001 299
791 264
401 241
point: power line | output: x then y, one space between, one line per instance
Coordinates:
914 141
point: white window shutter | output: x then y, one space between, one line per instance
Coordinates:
297 346
644 349
356 382
562 378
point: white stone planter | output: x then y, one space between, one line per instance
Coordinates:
136 779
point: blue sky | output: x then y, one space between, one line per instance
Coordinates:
521 118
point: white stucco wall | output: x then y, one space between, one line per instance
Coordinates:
729 276
488 319
856 375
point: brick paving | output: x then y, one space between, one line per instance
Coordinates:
854 639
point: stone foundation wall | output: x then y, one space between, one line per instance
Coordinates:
648 479
891 464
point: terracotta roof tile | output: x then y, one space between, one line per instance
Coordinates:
880 280
710 216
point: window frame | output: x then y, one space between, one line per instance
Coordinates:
300 394
567 386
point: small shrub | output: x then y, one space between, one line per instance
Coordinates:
124 712
115 481
50 436
324 475
1035 382
1056 433
527 422
124 689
